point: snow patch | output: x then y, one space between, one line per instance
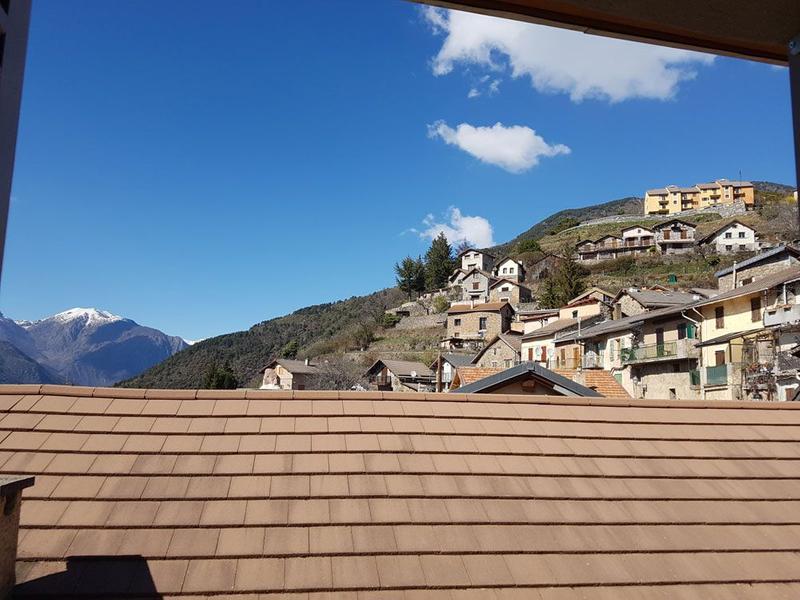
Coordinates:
92 316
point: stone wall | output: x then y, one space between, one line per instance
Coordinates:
723 210
423 321
759 271
11 498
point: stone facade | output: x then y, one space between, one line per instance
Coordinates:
472 324
475 286
498 354
423 321
509 291
744 275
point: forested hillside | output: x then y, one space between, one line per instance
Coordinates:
246 352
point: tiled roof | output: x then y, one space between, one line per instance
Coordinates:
550 329
470 374
485 307
368 495
655 298
601 381
528 371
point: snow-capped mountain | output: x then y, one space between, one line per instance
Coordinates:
87 346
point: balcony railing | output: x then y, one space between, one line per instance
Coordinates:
650 352
694 378
593 360
717 375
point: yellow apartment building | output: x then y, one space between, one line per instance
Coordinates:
673 199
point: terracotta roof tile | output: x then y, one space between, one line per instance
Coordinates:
381 495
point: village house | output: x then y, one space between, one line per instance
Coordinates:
507 290
734 236
475 259
475 285
504 350
526 378
675 236
637 240
400 376
731 318
509 269
288 374
674 199
761 265
532 317
469 326
448 362
635 301
607 247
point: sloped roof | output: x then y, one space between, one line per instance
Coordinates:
598 380
402 368
470 373
525 371
754 260
484 307
783 276
615 325
550 329
512 339
671 221
293 366
657 299
214 493
456 359
709 236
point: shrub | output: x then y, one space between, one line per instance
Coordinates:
390 320
440 304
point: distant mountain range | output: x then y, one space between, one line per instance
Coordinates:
81 346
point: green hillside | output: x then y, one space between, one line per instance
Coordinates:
248 351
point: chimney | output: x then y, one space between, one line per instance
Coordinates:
11 487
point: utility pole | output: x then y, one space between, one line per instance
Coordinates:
439 371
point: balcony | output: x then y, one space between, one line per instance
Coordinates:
680 349
786 314
593 360
717 375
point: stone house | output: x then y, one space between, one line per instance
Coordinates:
287 374
541 269
507 290
469 326
509 269
475 285
475 259
761 265
731 237
503 350
635 301
400 375
675 236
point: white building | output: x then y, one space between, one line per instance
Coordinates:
475 259
732 237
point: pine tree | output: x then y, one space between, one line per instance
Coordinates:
566 282
439 263
410 275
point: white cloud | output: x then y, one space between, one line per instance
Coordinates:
473 93
458 228
515 149
561 61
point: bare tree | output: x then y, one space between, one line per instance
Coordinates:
337 373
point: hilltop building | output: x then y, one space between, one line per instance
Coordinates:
287 374
673 199
734 236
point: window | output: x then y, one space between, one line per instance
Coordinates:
505 288
476 285
494 364
728 235
507 363
681 331
728 247
719 315
530 353
746 281
719 357
482 323
672 394
755 310
457 322
574 314
741 235
741 247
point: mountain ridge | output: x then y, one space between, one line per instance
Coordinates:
84 346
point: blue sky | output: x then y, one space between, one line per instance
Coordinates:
200 169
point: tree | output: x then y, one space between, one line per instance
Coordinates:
439 263
220 378
529 245
336 373
463 246
410 275
440 304
566 282
290 350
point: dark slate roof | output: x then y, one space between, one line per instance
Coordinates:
783 276
728 337
293 366
754 260
403 368
526 370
